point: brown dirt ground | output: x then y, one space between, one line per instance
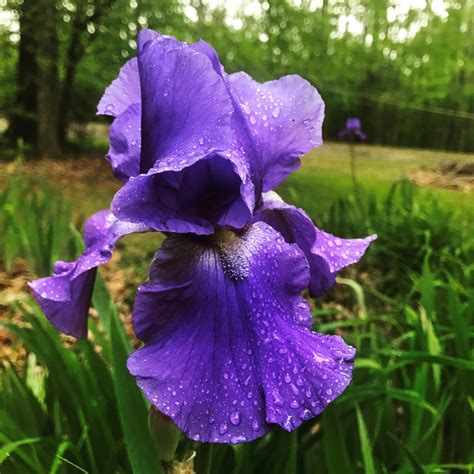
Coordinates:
456 175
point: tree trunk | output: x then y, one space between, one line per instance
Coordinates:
74 54
23 122
48 89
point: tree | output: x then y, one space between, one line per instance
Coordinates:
47 84
23 118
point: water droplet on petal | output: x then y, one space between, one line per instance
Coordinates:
238 439
294 404
223 428
255 425
304 414
245 109
235 418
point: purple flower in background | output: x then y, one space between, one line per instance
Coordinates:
353 130
228 347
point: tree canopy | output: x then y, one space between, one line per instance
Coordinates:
404 67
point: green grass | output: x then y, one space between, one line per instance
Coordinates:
325 174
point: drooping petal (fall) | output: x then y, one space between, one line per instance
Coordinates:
65 296
326 253
225 354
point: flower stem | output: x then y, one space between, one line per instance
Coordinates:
204 464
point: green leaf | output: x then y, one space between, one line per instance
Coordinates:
334 442
7 449
366 448
411 357
133 410
58 456
416 467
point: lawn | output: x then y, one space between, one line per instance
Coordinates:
325 174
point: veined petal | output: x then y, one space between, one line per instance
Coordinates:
326 253
193 175
185 108
191 196
125 143
285 119
225 355
122 100
65 296
123 92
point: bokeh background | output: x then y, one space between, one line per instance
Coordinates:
405 68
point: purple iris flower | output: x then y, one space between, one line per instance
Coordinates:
353 130
228 347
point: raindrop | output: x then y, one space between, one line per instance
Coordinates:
223 428
238 439
305 414
235 418
276 112
277 398
245 108
294 404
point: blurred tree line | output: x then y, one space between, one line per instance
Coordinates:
406 71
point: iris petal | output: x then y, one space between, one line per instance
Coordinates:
225 354
123 92
122 100
125 143
188 145
326 253
185 106
65 296
285 119
190 198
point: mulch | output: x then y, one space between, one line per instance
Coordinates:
456 175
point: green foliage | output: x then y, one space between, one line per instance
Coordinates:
36 224
409 226
84 412
407 409
405 70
